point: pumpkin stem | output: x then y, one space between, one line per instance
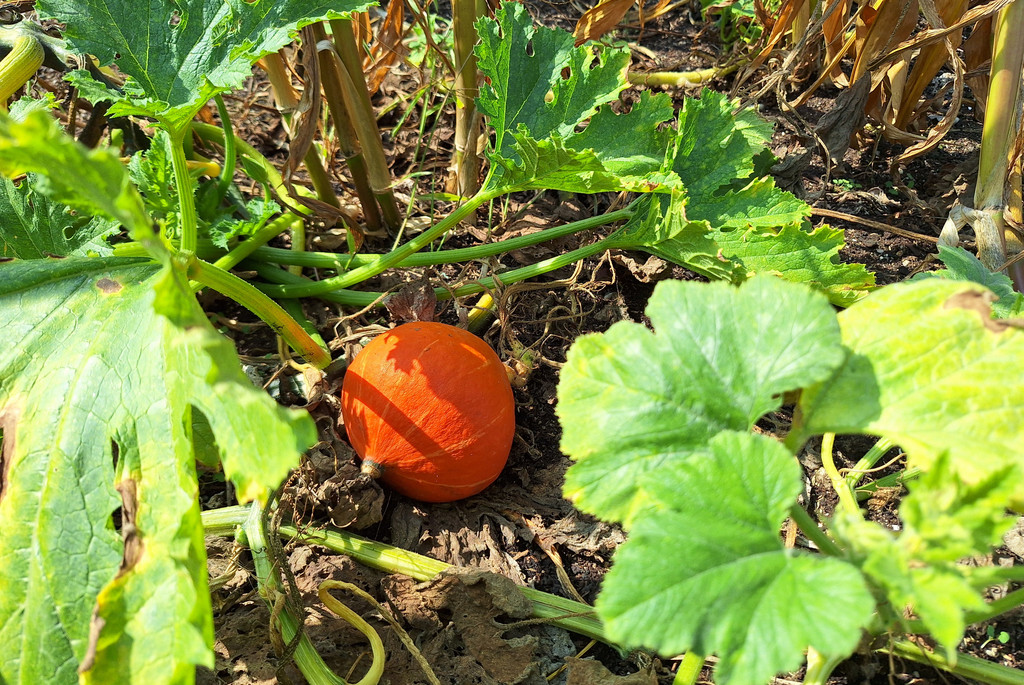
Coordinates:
372 469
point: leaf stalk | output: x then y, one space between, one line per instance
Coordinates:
259 304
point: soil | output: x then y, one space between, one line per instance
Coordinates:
472 628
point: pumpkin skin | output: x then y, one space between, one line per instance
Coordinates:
429 406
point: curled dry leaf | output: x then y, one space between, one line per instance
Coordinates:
601 19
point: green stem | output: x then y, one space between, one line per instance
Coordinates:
966 666
186 196
358 298
891 481
258 240
271 176
689 669
820 667
306 657
562 612
327 260
868 461
389 260
227 173
1008 602
810 529
839 484
259 304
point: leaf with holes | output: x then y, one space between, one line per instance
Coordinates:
36 226
178 55
548 103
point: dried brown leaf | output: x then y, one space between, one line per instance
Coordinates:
388 47
414 302
600 19
590 672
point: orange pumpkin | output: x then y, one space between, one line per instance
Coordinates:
428 407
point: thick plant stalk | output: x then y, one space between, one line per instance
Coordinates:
998 135
24 59
346 135
184 184
306 657
345 58
287 103
463 179
259 304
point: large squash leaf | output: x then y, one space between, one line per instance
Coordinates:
96 393
930 369
105 362
744 597
179 54
632 403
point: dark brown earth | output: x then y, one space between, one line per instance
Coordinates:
467 627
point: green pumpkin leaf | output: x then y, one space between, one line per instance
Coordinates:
801 255
758 204
931 370
707 571
544 98
178 55
632 402
961 265
920 569
92 181
108 360
35 226
715 146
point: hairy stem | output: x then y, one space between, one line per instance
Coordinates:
186 195
363 299
259 304
562 612
327 260
389 260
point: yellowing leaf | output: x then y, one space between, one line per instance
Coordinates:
930 369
